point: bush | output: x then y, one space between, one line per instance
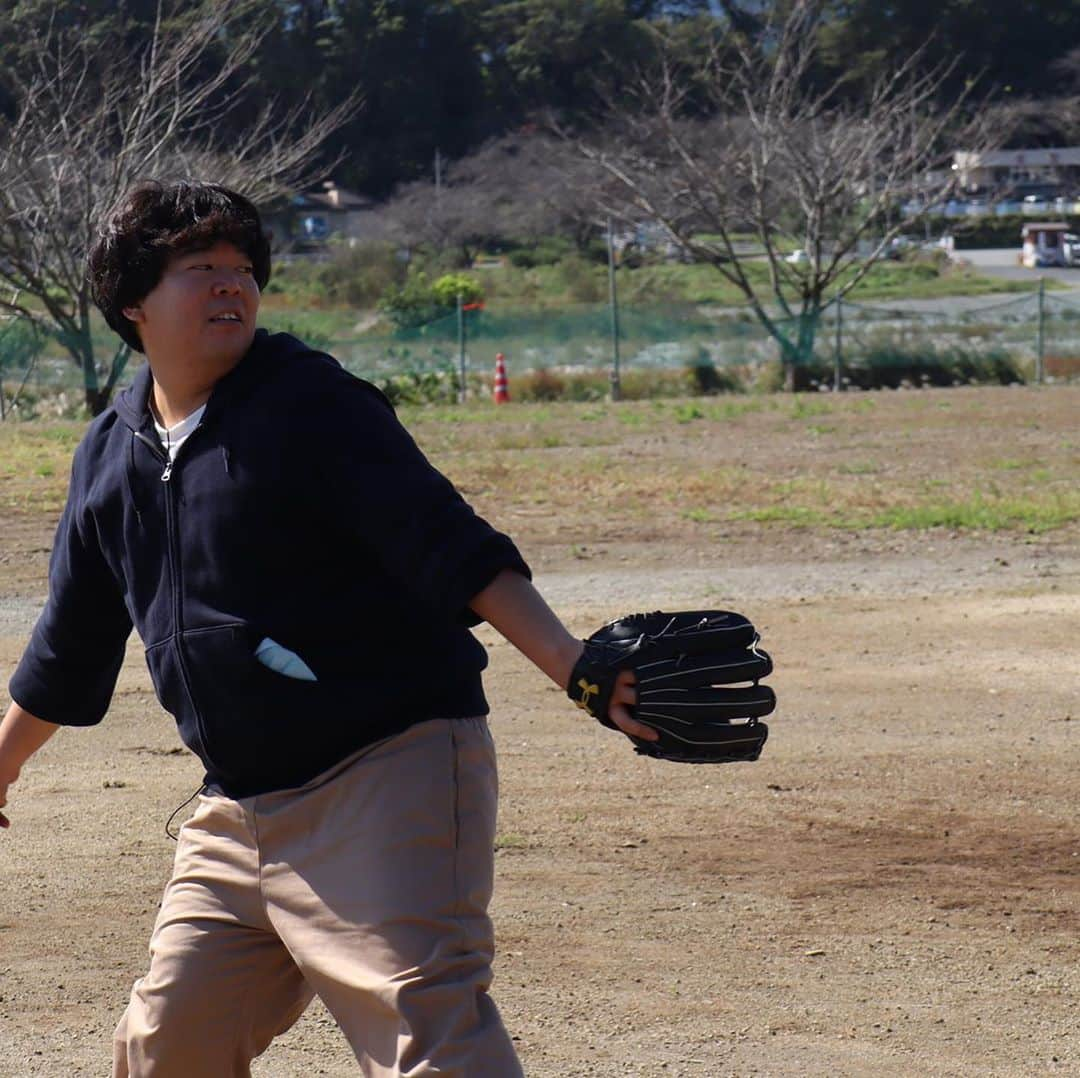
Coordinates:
421 387
544 252
584 281
976 232
704 379
359 276
636 383
538 385
447 288
887 366
417 301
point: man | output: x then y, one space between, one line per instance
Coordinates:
303 582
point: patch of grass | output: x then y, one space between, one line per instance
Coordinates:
1034 515
795 516
699 516
35 459
805 405
860 467
687 413
511 841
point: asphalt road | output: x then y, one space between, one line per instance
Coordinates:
1004 262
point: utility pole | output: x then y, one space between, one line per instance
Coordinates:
1040 343
616 385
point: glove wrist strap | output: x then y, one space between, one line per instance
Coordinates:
592 685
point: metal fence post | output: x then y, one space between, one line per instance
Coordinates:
461 348
616 384
839 344
1040 344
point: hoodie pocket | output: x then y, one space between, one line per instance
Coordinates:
243 712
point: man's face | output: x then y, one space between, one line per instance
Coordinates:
200 317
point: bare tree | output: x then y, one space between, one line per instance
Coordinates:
794 166
523 186
89 123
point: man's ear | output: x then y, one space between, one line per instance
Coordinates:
133 314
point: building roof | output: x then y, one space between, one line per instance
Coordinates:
332 197
1061 155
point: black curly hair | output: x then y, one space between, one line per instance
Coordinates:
155 221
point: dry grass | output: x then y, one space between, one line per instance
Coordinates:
974 459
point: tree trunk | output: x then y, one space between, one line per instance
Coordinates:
797 356
97 400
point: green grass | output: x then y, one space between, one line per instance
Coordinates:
35 459
977 513
1034 515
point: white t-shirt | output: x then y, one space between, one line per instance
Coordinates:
172 438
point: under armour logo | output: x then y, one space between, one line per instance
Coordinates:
588 691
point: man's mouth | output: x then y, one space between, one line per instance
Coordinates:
227 316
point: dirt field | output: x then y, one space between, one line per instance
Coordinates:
893 889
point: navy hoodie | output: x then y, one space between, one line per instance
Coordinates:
300 510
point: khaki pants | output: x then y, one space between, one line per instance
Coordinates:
368 887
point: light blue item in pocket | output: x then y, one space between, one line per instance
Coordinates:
283 661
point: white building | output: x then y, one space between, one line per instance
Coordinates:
999 169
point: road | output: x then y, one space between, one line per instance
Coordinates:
1003 262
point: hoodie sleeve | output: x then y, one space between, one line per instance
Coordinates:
396 503
69 669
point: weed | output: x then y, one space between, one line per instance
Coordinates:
511 841
699 516
686 413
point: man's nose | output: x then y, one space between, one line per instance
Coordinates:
227 284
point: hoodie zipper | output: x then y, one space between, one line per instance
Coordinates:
172 530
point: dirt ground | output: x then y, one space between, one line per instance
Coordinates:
892 889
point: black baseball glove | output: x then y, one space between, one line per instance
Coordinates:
687 666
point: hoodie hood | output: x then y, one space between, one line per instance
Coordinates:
269 353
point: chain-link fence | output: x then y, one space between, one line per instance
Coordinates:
1034 337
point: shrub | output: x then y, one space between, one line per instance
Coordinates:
886 366
449 286
359 276
704 379
417 301
584 281
538 385
544 252
987 231
421 387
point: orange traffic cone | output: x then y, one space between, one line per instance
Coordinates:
502 387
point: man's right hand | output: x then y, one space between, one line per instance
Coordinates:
4 821
21 735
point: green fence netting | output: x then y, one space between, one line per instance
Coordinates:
940 342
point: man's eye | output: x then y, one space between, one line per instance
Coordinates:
245 269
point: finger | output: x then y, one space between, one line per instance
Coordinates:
623 720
